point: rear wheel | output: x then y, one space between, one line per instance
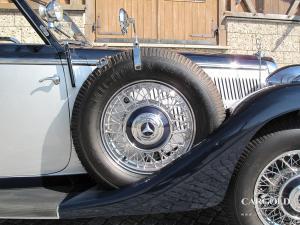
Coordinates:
266 190
128 124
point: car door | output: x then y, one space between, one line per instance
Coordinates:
34 112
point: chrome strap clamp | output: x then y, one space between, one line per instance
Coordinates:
137 56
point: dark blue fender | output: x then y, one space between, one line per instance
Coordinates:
200 178
285 75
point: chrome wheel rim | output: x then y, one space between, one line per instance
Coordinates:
277 191
146 125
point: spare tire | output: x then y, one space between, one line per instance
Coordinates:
127 124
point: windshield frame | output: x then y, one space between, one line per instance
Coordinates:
56 31
86 42
37 24
42 30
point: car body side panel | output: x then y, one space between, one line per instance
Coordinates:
201 177
81 73
82 68
34 117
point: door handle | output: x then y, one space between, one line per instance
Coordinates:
55 79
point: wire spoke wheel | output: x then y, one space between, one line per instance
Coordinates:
146 125
128 124
277 191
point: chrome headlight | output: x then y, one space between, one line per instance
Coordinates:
53 12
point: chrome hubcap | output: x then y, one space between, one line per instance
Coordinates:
289 198
146 125
148 129
295 199
277 191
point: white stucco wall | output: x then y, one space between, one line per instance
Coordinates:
280 39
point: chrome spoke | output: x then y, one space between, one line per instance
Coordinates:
273 188
124 146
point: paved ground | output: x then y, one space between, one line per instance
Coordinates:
213 216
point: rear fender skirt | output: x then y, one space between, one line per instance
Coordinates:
200 178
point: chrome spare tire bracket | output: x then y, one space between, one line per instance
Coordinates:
125 22
137 56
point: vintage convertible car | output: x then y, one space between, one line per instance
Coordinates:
89 132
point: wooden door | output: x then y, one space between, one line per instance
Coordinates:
187 19
159 21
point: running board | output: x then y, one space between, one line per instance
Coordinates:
38 197
30 203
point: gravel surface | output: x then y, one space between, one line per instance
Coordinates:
214 216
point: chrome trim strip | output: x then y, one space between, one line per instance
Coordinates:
39 61
208 65
228 66
29 218
29 61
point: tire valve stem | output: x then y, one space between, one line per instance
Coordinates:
126 100
124 158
